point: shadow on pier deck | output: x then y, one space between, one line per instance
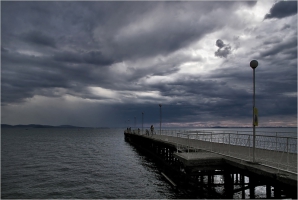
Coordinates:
197 169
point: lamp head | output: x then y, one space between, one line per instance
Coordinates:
253 64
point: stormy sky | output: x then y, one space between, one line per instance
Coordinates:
104 63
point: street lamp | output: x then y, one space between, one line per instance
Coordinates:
253 65
135 122
160 119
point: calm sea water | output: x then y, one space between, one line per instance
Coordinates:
78 163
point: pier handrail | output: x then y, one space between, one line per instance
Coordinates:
279 152
205 133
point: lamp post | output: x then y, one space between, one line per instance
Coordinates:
135 122
142 121
253 65
160 119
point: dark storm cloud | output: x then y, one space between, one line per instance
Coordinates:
202 93
21 76
91 57
25 76
39 38
282 9
4 50
223 49
132 49
180 27
128 33
86 33
286 26
220 43
280 47
219 91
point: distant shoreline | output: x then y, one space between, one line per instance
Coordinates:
45 126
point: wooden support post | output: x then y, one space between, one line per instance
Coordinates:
268 191
166 153
236 178
251 187
201 179
242 180
277 193
292 192
228 185
209 180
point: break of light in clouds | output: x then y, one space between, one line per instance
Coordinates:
104 63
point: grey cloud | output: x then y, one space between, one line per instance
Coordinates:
220 92
286 26
60 20
83 36
272 40
39 38
223 50
91 57
282 9
165 35
223 53
220 43
4 50
70 57
96 57
270 87
280 47
24 76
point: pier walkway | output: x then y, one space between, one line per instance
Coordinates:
277 152
275 156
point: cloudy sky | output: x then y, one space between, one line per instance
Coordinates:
103 63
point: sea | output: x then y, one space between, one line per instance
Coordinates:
82 163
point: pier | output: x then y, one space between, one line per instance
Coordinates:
194 158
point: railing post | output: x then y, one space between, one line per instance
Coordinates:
188 144
177 143
237 138
287 153
276 141
223 138
229 143
211 141
248 146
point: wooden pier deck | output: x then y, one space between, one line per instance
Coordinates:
198 155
